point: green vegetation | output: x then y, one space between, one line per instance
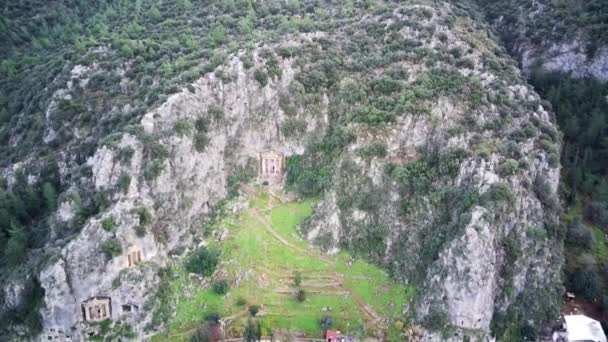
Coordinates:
111 248
107 224
112 331
582 114
268 269
220 287
557 21
203 261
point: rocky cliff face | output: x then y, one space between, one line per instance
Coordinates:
431 154
439 209
190 182
559 37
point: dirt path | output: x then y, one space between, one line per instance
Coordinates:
371 317
288 244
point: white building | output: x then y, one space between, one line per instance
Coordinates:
580 328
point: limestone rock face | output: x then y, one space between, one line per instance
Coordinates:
190 184
567 57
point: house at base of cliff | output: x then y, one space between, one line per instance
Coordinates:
579 328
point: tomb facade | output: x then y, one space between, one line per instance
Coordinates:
97 309
134 256
271 166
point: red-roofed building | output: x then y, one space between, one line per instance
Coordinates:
331 336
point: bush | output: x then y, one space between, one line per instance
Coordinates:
212 317
203 261
107 224
241 301
597 213
587 284
201 334
498 192
261 76
579 235
153 169
111 248
508 167
252 332
220 287
200 141
123 183
144 216
183 127
375 149
326 322
297 279
301 295
253 310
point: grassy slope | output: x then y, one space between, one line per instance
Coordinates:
259 266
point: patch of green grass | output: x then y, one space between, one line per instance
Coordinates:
260 270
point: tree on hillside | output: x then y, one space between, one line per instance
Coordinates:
252 332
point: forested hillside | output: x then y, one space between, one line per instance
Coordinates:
581 106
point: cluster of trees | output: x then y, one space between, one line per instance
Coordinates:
581 107
24 207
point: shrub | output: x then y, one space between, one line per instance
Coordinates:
212 317
220 287
375 149
123 183
216 35
153 169
293 127
326 322
144 216
597 213
579 235
297 279
252 332
261 76
111 248
241 301
183 127
253 310
201 141
508 167
587 284
201 334
203 261
498 192
215 112
301 295
107 224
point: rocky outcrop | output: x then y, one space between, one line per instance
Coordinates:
567 57
191 182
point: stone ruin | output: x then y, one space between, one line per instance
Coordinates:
271 167
97 309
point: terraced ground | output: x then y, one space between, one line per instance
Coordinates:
260 257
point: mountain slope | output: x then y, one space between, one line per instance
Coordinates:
431 155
